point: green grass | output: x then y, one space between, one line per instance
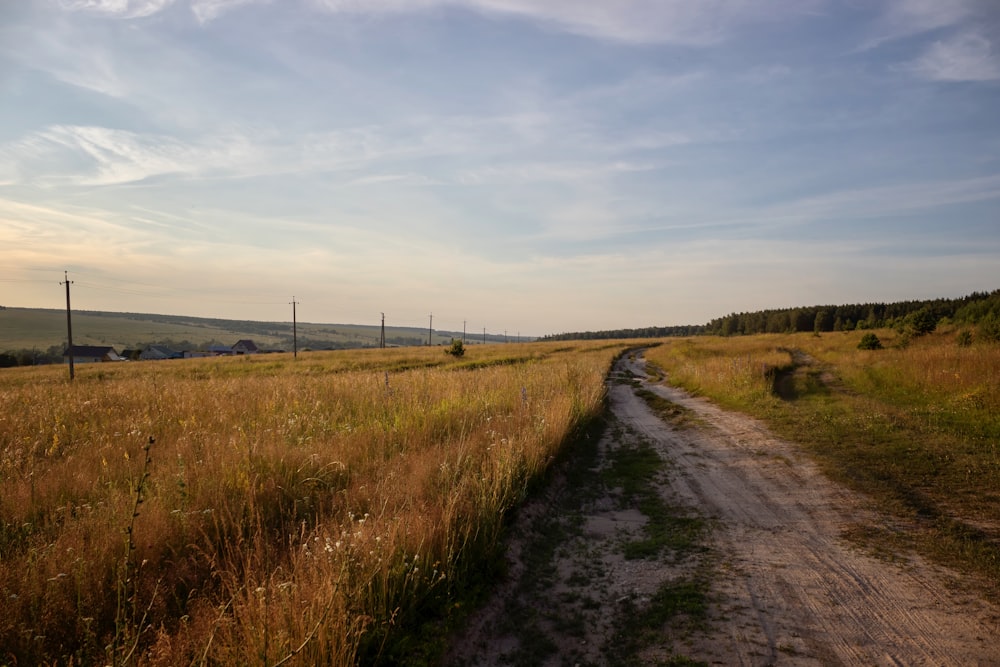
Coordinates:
915 427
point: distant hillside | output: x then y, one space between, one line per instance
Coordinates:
41 332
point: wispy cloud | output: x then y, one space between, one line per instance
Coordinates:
968 56
888 200
73 57
903 18
634 21
75 155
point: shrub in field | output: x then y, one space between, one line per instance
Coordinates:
457 348
870 342
921 322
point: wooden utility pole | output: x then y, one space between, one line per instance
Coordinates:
381 340
295 332
430 329
69 325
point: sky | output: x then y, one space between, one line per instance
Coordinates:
534 166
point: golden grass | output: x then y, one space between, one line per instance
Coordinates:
315 508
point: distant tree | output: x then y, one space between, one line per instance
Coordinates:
822 322
921 322
989 329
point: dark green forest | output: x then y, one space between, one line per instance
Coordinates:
979 309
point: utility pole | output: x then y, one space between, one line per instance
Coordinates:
381 340
295 332
484 335
463 332
430 329
69 324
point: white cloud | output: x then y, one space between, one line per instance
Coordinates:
126 9
209 10
967 56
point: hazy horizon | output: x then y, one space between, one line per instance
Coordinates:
539 167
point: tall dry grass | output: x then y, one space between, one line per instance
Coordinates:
321 509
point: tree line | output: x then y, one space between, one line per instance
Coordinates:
644 332
979 309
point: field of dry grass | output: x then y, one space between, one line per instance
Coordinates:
252 510
916 425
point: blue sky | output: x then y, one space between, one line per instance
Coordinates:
530 165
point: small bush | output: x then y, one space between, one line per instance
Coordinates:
964 338
457 349
870 342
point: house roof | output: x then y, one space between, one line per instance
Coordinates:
246 344
91 351
160 349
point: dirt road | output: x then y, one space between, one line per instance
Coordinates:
780 584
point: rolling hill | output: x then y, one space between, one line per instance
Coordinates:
42 328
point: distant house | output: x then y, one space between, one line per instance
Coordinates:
220 350
245 346
157 352
86 354
131 354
